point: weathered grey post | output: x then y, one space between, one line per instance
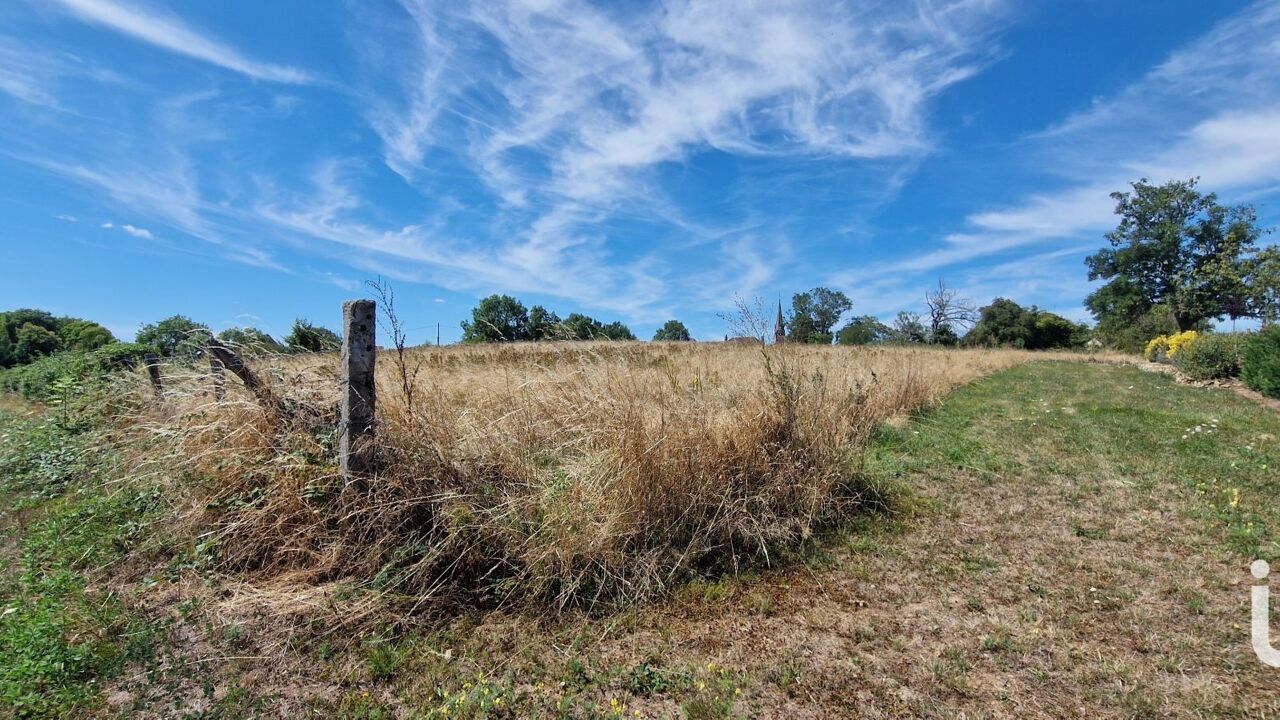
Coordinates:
359 353
153 372
219 376
231 361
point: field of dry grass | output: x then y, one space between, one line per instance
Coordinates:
649 531
561 474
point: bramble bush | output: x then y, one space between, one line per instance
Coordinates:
1261 369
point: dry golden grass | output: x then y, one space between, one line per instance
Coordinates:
563 473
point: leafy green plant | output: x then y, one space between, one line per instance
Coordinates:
58 639
1261 369
43 379
1209 357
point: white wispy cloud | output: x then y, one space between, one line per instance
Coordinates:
165 31
565 111
330 210
598 95
137 232
1210 110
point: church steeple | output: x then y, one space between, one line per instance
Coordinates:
779 327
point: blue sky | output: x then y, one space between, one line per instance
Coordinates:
247 162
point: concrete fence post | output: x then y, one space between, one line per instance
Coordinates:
153 372
217 372
359 397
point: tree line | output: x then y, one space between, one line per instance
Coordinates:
1177 260
27 335
502 318
949 319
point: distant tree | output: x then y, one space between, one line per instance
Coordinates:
947 312
944 335
11 323
177 336
542 324
908 329
498 318
36 328
83 335
307 337
34 341
672 331
577 326
864 331
616 331
251 341
1176 247
1054 331
1005 323
814 314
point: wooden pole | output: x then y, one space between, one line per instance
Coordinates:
359 396
153 372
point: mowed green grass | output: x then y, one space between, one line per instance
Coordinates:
1103 438
1107 424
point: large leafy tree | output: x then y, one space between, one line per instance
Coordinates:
1175 247
498 318
864 331
672 331
176 336
814 315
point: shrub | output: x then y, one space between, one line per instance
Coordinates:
1129 334
1181 340
44 378
1261 369
1210 357
1157 348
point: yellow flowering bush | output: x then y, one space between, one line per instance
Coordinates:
1165 347
1181 340
1156 348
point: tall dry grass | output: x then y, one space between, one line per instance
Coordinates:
564 473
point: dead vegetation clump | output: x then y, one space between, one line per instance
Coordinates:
564 474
